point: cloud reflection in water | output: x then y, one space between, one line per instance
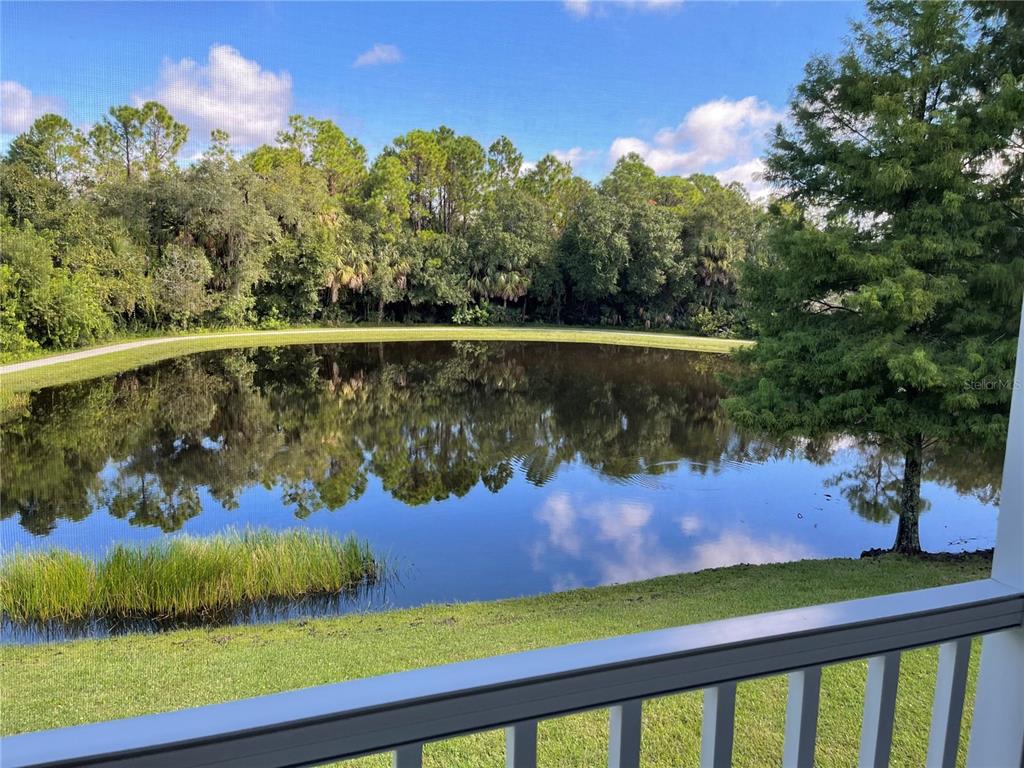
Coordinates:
616 541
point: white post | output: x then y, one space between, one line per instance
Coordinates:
409 756
718 725
521 745
624 727
948 705
997 730
879 710
801 718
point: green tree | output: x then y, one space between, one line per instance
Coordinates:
304 246
226 214
179 285
721 230
631 181
440 275
137 139
504 161
423 158
551 181
52 149
893 287
340 158
463 180
595 247
655 260
116 141
507 244
57 306
162 137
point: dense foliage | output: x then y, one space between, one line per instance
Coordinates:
105 231
889 299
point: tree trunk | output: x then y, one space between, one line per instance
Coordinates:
908 538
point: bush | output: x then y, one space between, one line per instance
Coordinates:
473 314
179 284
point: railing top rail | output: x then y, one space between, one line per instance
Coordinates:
313 725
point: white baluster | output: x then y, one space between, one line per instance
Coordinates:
521 745
409 756
624 735
948 707
717 727
879 710
802 718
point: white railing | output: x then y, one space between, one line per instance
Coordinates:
400 713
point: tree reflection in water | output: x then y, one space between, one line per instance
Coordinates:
428 421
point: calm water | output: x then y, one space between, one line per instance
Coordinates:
482 470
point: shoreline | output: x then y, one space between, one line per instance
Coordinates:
67 367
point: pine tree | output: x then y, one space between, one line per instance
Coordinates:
889 302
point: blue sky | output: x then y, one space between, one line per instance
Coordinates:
691 86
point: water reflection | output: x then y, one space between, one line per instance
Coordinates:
429 421
487 469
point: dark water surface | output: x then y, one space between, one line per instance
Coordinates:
481 470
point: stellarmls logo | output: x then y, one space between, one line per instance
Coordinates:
990 384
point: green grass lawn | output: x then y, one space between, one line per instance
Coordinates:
113 362
46 686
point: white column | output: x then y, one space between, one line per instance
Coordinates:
410 756
948 705
879 710
997 729
521 745
624 727
717 728
801 718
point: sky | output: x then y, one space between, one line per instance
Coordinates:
691 86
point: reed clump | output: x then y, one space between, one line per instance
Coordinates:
183 578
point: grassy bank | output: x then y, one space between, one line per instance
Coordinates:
182 577
112 358
49 686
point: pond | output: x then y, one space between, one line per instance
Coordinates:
479 470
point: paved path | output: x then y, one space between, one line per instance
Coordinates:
70 357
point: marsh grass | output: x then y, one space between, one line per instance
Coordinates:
182 578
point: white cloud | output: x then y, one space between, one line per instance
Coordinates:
229 92
583 8
19 107
381 53
750 174
616 538
578 8
722 137
574 156
690 525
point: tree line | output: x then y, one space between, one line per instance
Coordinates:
107 231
